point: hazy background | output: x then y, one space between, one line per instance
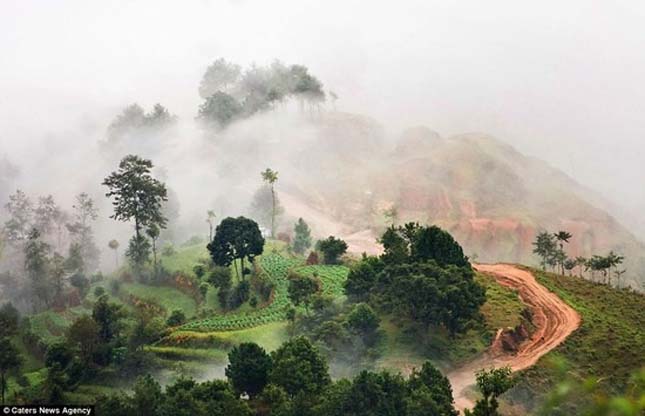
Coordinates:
564 81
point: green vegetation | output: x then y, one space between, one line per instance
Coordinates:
275 267
608 346
332 277
503 308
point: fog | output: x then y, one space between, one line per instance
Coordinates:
561 81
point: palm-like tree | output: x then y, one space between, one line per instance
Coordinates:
581 262
613 260
271 177
562 237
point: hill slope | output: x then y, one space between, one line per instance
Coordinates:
489 196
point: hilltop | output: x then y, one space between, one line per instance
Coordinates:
491 197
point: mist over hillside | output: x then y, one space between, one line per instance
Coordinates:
344 170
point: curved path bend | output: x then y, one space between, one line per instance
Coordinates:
553 319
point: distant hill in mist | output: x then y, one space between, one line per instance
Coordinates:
491 197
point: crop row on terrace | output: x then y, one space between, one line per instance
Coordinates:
275 267
332 277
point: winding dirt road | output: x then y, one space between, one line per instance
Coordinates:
553 319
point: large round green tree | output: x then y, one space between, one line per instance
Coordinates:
299 368
236 239
248 368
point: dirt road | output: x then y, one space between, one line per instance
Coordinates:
554 321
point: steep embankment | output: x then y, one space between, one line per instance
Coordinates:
553 319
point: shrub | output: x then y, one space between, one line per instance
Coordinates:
177 317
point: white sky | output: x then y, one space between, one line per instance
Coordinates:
564 81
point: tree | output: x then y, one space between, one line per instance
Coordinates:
53 387
114 245
438 387
580 263
57 274
613 260
219 76
10 359
85 212
147 396
271 177
391 215
248 369
362 278
59 353
492 384
569 265
84 334
9 320
210 218
298 367
430 294
302 289
153 233
18 226
107 316
562 237
45 214
36 264
545 247
302 237
74 262
139 197
177 317
219 110
363 319
415 243
332 248
263 205
236 238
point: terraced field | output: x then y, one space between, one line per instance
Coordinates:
276 268
331 277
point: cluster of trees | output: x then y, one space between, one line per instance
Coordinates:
36 234
109 339
138 197
293 380
422 275
230 94
550 248
135 122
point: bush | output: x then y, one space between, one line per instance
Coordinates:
240 294
177 317
332 248
313 259
99 291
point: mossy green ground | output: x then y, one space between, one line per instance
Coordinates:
609 345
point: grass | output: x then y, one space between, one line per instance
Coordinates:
405 349
503 307
276 268
168 297
185 258
332 277
610 343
